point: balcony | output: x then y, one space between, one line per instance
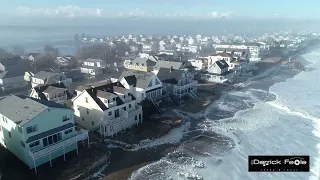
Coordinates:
186 86
55 147
116 120
136 111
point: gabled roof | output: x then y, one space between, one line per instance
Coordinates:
103 91
46 88
146 62
93 60
222 64
138 79
44 75
170 76
168 64
21 109
223 55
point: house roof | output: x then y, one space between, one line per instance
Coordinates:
138 79
21 109
93 60
222 64
104 90
34 54
143 61
223 55
168 64
170 76
45 88
11 74
44 75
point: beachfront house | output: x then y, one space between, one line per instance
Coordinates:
218 73
241 53
200 64
177 82
145 64
51 92
93 66
37 131
44 77
107 109
254 48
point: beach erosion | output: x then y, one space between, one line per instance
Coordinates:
180 153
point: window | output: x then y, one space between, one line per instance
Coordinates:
129 105
22 144
52 139
111 128
139 116
92 123
32 129
20 129
9 133
34 144
82 118
124 96
110 113
4 119
135 118
124 108
65 118
68 131
86 100
150 84
87 111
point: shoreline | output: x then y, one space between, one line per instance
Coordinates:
167 148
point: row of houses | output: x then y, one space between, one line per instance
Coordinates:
52 121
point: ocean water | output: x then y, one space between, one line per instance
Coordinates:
282 120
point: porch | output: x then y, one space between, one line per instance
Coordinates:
190 88
57 147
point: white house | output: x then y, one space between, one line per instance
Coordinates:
146 47
37 131
254 49
64 60
200 64
93 66
44 77
218 72
107 109
32 56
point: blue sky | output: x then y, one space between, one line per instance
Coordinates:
167 8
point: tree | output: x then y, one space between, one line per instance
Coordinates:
4 53
43 62
18 50
51 51
76 37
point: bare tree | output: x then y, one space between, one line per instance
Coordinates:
18 50
4 53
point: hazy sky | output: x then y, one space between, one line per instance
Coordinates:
210 9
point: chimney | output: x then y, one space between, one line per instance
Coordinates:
171 69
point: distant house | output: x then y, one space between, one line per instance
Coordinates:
236 63
64 61
146 47
93 66
218 72
44 77
107 109
32 56
177 82
141 64
12 80
254 48
37 131
201 64
242 53
51 92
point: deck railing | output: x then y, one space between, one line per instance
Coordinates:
57 146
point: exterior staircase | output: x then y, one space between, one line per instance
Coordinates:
175 99
156 105
192 94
